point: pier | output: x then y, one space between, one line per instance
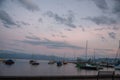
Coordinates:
93 77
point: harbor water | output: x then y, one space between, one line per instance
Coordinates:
23 68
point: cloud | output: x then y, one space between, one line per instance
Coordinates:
1 1
103 38
51 44
32 37
105 49
101 4
28 4
115 28
82 28
68 29
99 29
116 8
24 23
112 35
5 18
102 20
62 20
40 20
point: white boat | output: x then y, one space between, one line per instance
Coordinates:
117 67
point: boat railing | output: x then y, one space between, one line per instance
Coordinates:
102 74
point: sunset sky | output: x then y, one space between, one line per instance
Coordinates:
60 27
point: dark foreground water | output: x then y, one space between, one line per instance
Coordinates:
23 68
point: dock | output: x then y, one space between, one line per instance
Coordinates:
92 77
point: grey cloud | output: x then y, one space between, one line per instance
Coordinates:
63 36
104 49
24 23
99 29
101 4
28 4
103 38
112 35
6 19
51 44
62 20
32 37
68 29
1 1
107 28
116 8
115 28
104 20
40 20
82 28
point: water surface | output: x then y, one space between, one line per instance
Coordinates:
23 68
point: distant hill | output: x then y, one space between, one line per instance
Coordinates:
18 55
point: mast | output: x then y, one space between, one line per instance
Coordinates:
86 49
118 53
94 55
119 44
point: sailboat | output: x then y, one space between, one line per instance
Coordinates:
33 62
59 63
117 60
86 65
64 62
51 61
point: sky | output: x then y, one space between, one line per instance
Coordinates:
60 27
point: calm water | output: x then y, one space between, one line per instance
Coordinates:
23 68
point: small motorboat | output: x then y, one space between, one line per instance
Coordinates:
9 62
33 62
51 62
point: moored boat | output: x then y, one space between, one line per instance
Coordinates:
88 66
59 63
9 62
64 62
51 62
117 67
33 62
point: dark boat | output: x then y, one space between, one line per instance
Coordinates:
9 62
33 62
59 63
